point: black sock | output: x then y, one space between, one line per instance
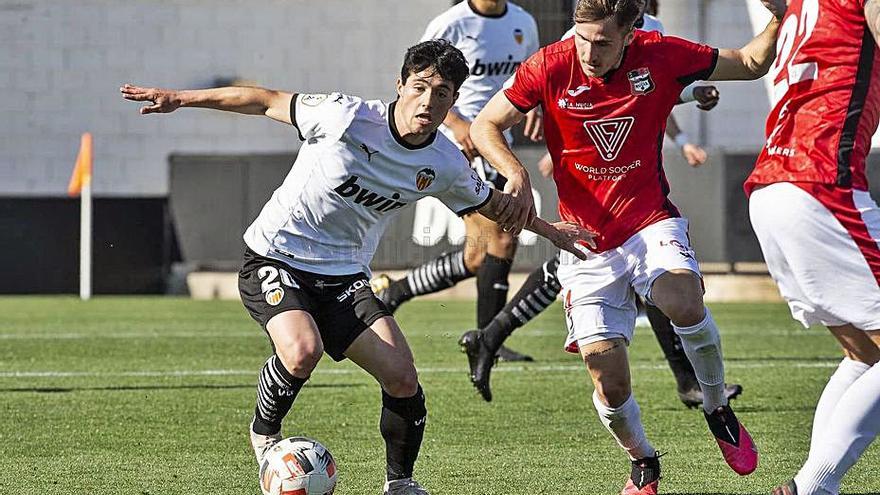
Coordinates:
402 425
492 286
276 391
536 294
670 343
437 274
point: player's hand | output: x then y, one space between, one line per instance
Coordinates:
461 131
694 154
776 7
534 127
162 100
707 97
569 235
520 210
545 165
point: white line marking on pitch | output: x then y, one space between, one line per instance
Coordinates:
428 370
413 335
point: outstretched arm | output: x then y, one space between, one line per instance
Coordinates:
753 60
487 132
246 100
564 235
872 15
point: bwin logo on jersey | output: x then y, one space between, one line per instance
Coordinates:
363 196
356 286
424 178
505 68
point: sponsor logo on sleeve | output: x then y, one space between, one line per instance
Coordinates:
312 100
479 185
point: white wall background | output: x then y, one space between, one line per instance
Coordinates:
62 62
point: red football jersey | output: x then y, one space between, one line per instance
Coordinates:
826 94
605 135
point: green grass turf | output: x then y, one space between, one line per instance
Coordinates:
159 392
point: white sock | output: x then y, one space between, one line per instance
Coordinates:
847 372
625 424
853 424
702 345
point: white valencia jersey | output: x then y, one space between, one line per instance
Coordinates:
353 175
494 46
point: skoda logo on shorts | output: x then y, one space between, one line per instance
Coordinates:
274 296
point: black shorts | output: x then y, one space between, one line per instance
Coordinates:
488 173
343 306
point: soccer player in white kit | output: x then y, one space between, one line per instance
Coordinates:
305 271
816 222
495 37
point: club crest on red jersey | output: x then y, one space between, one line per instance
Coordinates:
640 81
609 135
518 36
424 178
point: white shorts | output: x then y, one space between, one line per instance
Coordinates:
599 293
821 249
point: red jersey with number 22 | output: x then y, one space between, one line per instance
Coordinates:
605 134
826 94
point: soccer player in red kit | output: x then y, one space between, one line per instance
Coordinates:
606 94
815 220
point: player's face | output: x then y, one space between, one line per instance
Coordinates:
424 99
600 45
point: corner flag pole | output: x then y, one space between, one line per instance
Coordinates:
81 184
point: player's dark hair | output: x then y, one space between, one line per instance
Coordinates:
653 8
625 12
441 55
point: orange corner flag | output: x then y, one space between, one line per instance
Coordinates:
82 172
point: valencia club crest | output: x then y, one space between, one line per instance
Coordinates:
518 36
424 178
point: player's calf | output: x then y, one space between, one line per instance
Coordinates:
402 425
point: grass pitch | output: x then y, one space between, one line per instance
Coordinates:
151 396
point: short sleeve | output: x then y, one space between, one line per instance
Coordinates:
689 61
313 113
467 192
525 89
437 29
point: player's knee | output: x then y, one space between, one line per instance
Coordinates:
300 358
613 391
505 245
686 310
473 259
404 382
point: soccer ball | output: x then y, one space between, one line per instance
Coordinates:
298 466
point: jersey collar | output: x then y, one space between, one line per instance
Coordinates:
392 126
494 16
